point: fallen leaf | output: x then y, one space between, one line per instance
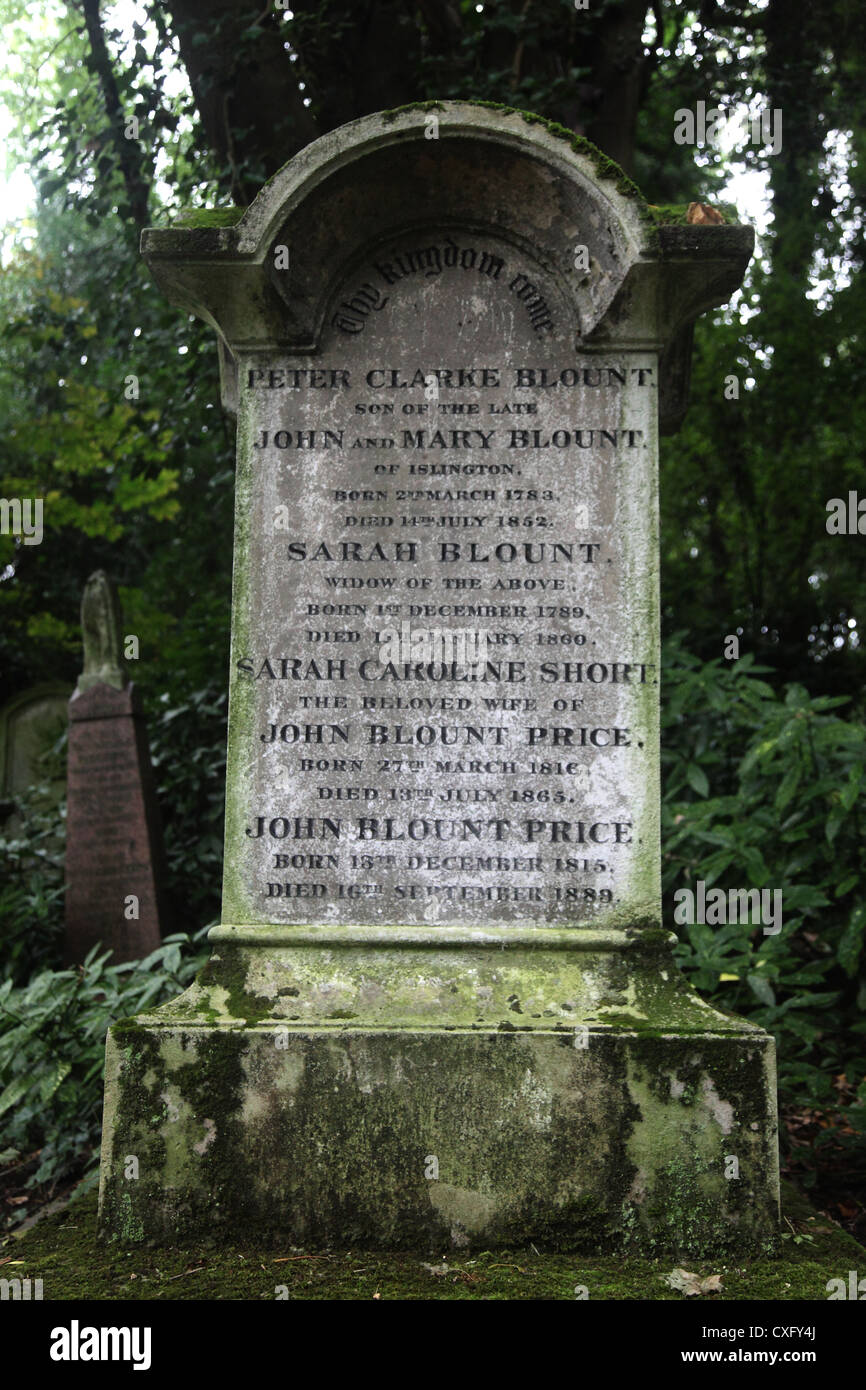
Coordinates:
703 214
693 1284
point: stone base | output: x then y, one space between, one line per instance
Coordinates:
572 1128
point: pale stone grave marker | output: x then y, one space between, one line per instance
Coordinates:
31 722
442 1005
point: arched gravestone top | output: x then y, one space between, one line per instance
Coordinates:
493 171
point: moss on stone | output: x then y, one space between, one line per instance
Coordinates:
209 217
63 1250
396 111
227 970
206 1112
676 214
605 167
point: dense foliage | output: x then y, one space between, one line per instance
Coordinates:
52 1052
763 790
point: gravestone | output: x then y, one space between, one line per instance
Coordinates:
30 723
442 1006
114 859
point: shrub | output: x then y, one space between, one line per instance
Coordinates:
52 1051
763 791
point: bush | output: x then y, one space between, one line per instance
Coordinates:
188 753
762 791
52 1051
31 875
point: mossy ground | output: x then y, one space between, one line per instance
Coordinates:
64 1252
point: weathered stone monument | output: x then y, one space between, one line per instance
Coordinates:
114 863
442 1006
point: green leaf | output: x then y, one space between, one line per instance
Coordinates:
788 787
14 1092
762 989
49 1084
851 945
803 895
848 882
850 791
756 754
697 779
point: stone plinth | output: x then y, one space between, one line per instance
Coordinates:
580 1095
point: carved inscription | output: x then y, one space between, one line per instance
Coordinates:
444 674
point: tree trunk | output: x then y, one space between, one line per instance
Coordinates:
128 152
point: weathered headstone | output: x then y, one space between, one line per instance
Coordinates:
442 1005
114 860
30 723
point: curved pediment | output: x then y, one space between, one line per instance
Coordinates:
394 187
358 189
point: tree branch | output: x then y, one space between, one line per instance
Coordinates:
129 155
